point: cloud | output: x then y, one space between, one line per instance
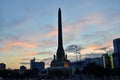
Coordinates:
73 57
11 45
23 44
93 55
93 27
45 52
25 59
28 53
103 48
69 33
51 33
106 49
47 61
73 48
95 48
25 63
84 25
111 51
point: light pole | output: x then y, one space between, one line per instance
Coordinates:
79 56
76 56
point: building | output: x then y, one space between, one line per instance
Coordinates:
116 60
116 54
111 61
2 66
107 61
40 66
60 59
83 63
116 44
97 61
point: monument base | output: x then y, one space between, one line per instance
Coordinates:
57 63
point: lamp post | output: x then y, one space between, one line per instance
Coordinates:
76 56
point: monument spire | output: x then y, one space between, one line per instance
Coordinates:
60 50
60 60
60 42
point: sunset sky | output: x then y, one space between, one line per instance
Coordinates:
28 28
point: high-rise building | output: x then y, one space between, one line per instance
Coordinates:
40 66
116 44
60 59
116 60
116 54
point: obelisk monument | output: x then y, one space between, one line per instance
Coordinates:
60 60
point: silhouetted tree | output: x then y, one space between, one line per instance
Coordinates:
29 73
9 73
59 73
77 71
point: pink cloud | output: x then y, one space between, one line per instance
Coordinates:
21 44
91 48
30 54
54 32
51 33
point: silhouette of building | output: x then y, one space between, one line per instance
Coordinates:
83 63
107 61
116 60
116 54
60 59
111 61
116 44
40 66
2 66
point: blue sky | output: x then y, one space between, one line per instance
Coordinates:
28 28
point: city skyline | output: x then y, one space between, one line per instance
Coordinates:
29 29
